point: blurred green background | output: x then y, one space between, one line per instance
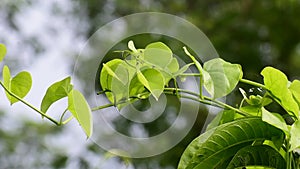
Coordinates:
252 33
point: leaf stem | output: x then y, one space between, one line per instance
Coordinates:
102 107
29 105
246 81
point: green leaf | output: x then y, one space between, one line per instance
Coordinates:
223 75
2 52
173 66
275 120
217 146
277 83
56 92
183 69
115 77
19 85
158 54
80 109
295 89
259 155
295 136
153 80
6 79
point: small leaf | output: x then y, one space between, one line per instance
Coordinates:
275 120
158 54
115 77
277 83
223 75
295 136
131 46
173 66
183 69
56 92
153 80
19 85
111 72
80 109
2 52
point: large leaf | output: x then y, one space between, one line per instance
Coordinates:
2 52
224 77
19 85
259 155
158 54
56 92
80 109
295 136
277 83
217 146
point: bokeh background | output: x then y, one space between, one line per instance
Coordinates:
45 38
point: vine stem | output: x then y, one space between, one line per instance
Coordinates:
29 105
211 101
246 81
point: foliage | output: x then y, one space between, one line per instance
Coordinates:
17 88
247 136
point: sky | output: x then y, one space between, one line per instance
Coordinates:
53 24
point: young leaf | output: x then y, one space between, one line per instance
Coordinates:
116 78
158 54
153 80
275 120
56 92
223 75
2 52
131 46
295 136
217 146
183 69
20 85
277 83
80 109
173 66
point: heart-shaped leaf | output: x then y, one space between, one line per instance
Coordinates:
158 54
56 92
80 109
224 77
153 80
277 83
19 85
148 79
